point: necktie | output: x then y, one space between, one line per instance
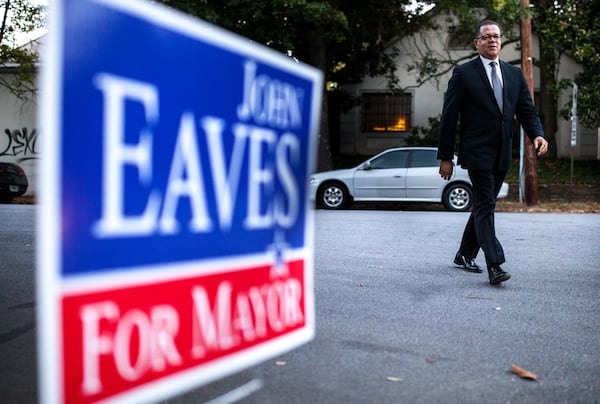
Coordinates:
496 85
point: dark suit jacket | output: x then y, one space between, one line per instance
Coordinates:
485 132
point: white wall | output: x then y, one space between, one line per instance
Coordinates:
19 134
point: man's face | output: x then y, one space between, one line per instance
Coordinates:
489 48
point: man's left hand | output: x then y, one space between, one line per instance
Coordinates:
541 145
446 168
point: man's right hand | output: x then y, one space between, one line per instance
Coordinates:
446 168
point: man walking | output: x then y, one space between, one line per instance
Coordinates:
485 94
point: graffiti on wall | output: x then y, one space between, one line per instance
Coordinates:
19 143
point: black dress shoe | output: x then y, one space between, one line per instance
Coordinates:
497 275
468 264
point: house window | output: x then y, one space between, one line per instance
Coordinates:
386 112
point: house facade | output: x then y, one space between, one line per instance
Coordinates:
18 131
384 120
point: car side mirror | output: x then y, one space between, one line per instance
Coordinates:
366 166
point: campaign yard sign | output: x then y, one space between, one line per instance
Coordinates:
175 235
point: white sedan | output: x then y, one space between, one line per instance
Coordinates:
404 174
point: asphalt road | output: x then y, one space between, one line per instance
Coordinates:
396 321
18 360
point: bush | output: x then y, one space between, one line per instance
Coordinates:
421 136
558 171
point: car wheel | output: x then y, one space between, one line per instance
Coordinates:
458 197
333 195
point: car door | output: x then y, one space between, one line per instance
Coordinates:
383 177
423 181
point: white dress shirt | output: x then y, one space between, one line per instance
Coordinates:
488 69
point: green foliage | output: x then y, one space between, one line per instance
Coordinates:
366 50
18 17
588 100
558 171
21 81
572 27
421 136
356 34
466 14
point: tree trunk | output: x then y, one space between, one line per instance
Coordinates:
531 197
317 53
4 19
547 100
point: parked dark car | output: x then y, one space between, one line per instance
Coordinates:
13 181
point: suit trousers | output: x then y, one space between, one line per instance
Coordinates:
480 231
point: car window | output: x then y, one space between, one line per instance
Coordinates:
393 159
424 158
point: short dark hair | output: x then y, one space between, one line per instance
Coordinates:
484 23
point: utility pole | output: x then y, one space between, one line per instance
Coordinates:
531 197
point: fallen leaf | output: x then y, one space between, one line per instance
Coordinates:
393 379
433 358
525 374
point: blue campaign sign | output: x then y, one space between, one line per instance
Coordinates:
175 146
174 187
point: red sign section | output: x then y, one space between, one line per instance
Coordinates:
132 336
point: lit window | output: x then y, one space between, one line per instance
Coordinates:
385 112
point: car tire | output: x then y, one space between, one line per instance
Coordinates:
458 197
333 195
